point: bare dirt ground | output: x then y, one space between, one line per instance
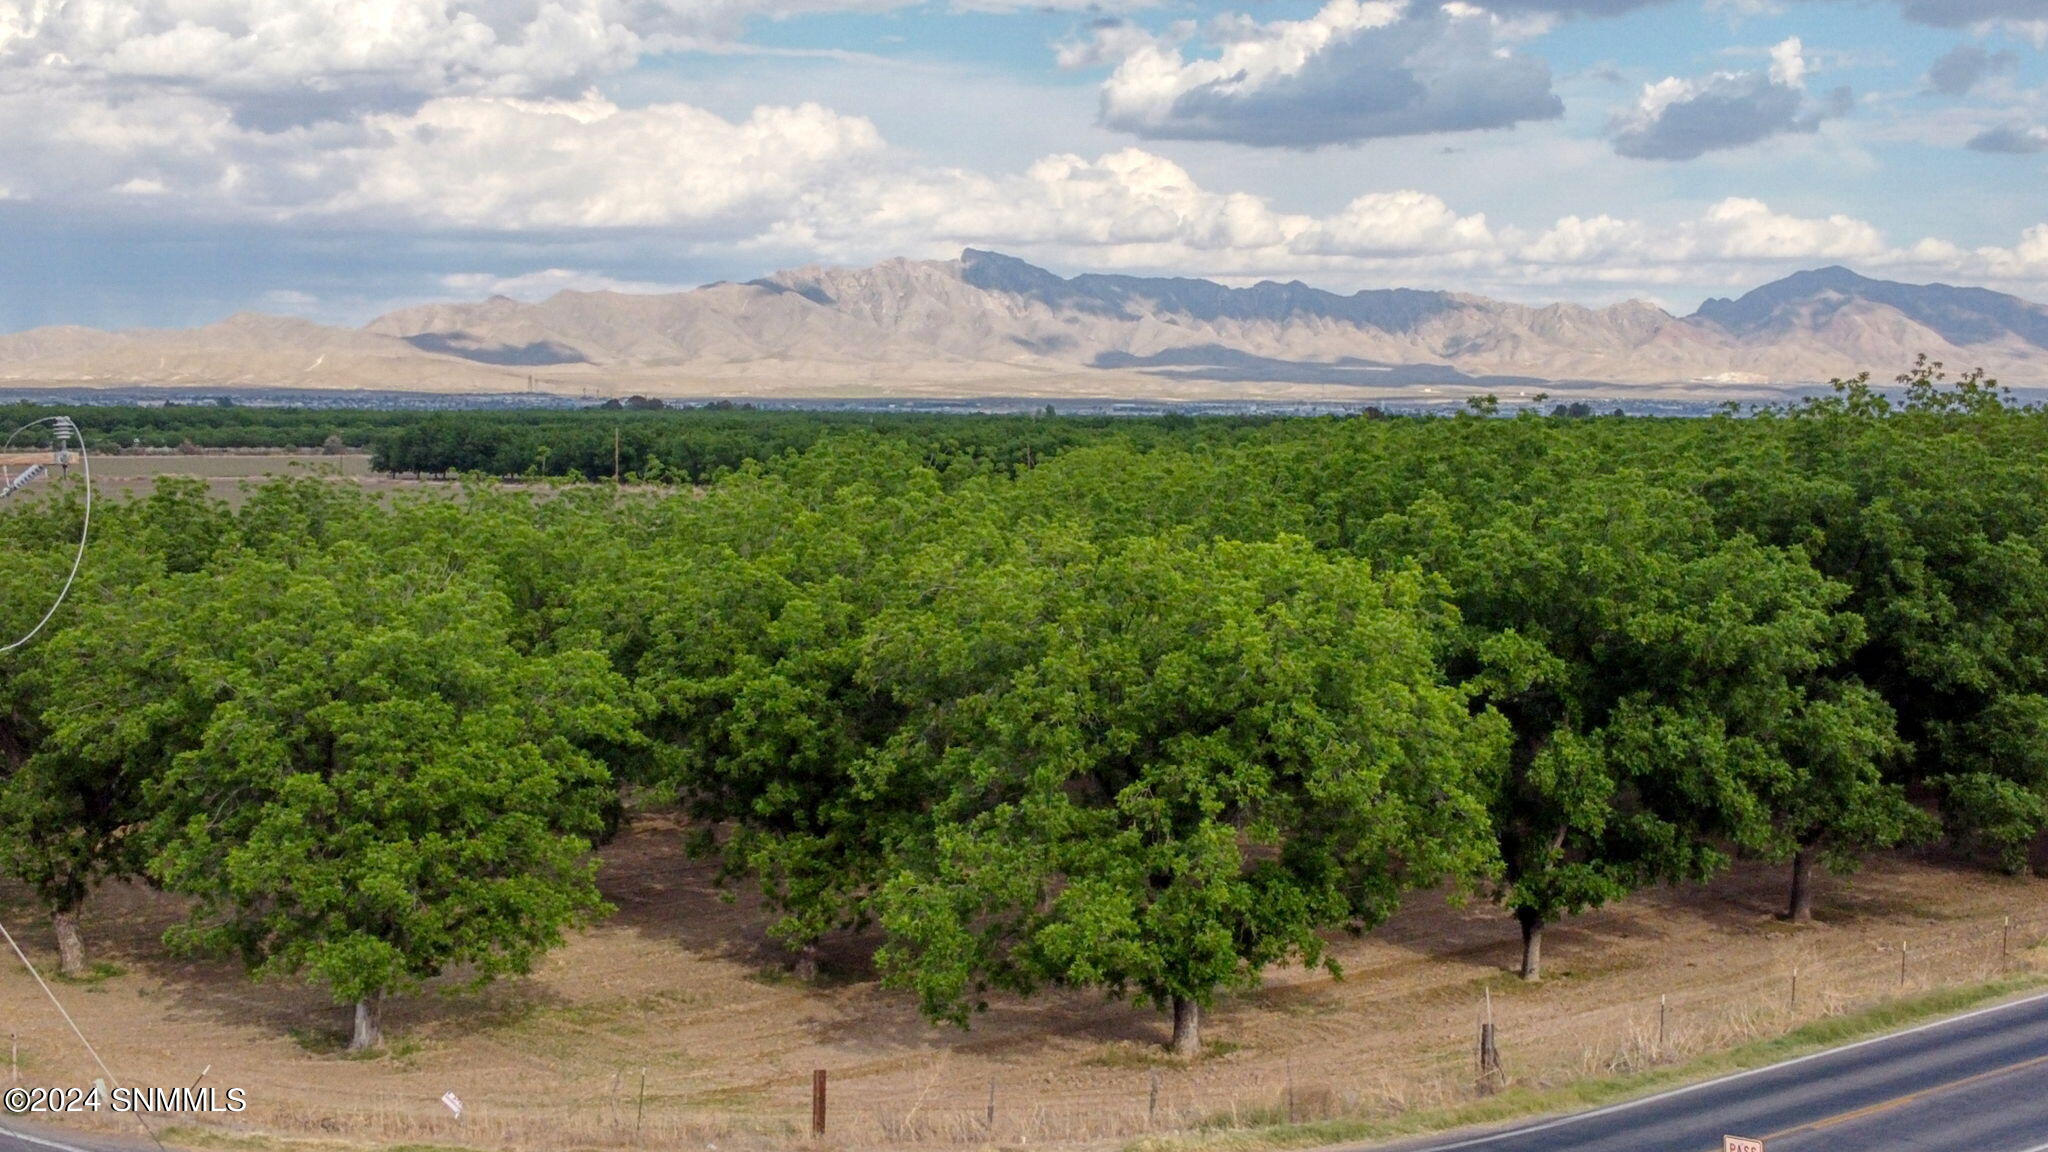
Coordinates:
229 476
124 477
683 987
107 467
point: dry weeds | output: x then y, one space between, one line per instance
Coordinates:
683 987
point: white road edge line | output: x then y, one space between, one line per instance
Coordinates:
25 1138
1626 1105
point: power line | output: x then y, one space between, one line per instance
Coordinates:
64 428
75 1030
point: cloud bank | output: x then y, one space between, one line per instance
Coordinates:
446 123
1682 119
1356 70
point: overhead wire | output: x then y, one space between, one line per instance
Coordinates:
75 1029
65 428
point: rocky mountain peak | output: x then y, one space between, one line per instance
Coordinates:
987 323
1804 300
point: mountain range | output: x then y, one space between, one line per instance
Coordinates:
986 324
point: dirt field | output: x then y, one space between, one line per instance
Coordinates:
237 466
128 477
120 477
683 987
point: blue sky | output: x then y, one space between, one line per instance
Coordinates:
169 162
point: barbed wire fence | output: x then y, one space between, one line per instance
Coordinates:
1353 1076
1342 1067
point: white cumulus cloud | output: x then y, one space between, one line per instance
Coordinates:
460 161
1735 230
808 181
1739 229
1402 223
300 59
545 282
588 163
1684 118
1356 70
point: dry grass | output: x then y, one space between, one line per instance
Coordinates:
119 471
684 986
228 476
227 466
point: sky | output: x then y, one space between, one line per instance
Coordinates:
171 162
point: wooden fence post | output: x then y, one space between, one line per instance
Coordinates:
1490 1077
817 1103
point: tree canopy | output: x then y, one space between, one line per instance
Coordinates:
1163 767
1146 707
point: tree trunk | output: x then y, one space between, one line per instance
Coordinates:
1801 910
1187 1028
1532 943
369 1024
805 966
70 949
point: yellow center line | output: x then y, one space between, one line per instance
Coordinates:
1901 1101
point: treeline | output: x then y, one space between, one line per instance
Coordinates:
640 443
1148 714
694 445
215 426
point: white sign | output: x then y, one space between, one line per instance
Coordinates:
1741 1144
454 1104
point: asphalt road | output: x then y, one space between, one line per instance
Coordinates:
1972 1083
21 1136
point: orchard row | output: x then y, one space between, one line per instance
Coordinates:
1149 713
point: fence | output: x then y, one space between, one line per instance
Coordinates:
1352 1076
1342 1065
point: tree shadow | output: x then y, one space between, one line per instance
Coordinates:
123 924
665 894
1433 956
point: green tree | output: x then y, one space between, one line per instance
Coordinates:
1161 768
1934 513
1830 799
386 787
752 618
90 710
110 715
1647 668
